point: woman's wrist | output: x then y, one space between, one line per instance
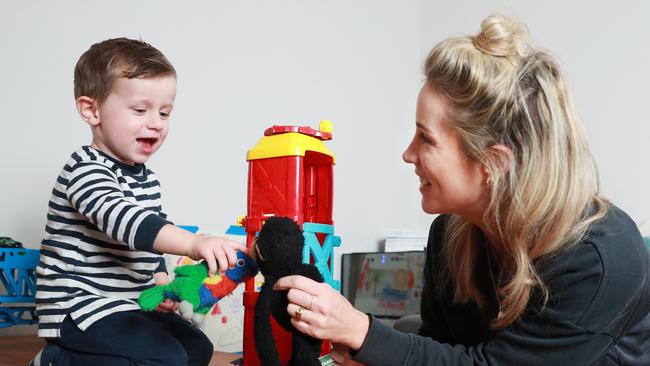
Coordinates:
359 331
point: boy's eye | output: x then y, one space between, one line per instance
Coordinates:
139 110
164 115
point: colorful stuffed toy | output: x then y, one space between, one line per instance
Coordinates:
278 251
197 292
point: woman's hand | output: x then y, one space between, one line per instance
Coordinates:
167 306
316 309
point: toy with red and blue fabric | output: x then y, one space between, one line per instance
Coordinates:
196 291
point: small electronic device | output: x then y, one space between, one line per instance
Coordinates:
385 284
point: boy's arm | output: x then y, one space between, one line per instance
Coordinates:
93 190
214 250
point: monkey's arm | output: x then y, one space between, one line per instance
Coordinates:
264 341
310 271
305 350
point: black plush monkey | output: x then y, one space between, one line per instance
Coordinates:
279 253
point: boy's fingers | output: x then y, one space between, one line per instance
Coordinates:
239 246
211 264
232 257
222 260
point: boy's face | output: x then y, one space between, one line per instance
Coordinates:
133 122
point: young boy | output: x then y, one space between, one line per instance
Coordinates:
105 227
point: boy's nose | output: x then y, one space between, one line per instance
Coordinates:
155 123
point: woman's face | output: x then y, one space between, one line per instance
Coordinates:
450 182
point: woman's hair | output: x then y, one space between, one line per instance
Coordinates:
104 62
499 90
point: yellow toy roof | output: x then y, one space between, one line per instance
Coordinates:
292 141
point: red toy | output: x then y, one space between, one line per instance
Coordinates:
290 175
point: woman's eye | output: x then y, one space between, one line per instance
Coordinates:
424 139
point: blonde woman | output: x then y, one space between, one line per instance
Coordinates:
528 264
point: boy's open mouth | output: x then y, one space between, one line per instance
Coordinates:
147 143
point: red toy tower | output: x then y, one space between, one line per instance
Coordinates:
290 174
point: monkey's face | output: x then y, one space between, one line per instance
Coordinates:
278 248
254 252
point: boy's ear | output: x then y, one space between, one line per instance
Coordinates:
87 108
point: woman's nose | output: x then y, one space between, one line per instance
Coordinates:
407 155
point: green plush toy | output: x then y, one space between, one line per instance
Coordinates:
195 290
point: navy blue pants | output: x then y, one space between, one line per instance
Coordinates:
134 338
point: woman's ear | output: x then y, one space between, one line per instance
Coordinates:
503 156
87 108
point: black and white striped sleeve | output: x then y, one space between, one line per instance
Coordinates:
94 191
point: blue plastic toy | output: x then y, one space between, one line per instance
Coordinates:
17 286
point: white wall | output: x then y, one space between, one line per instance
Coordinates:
603 46
242 67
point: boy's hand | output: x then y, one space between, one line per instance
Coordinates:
167 306
215 250
174 240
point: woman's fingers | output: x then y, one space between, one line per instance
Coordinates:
303 298
319 311
304 315
304 326
298 282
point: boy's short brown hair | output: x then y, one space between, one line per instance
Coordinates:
108 60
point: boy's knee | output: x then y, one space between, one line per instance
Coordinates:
161 351
171 356
202 350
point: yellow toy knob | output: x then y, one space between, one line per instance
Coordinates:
325 126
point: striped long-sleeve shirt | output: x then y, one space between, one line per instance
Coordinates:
97 254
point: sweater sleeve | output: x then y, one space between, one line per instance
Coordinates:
596 289
94 191
162 266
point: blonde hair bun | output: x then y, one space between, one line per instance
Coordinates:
501 36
